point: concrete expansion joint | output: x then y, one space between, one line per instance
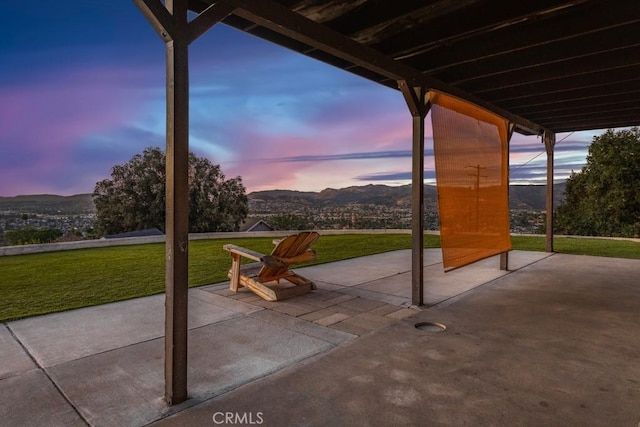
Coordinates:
383 277
24 348
46 374
548 255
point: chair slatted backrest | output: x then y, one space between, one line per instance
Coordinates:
288 247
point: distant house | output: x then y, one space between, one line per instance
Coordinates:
137 233
255 224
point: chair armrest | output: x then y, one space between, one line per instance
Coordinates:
247 253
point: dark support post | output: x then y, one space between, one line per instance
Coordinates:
549 145
504 257
177 220
417 99
417 212
504 261
171 22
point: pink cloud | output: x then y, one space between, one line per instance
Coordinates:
258 164
44 121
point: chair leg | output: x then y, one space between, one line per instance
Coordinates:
235 273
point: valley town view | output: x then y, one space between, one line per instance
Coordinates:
365 207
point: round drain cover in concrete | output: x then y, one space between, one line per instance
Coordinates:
431 327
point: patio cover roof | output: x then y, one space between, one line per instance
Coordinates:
550 65
545 66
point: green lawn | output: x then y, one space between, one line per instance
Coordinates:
580 246
56 281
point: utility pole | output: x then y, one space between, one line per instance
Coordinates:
478 176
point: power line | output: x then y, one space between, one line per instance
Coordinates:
539 154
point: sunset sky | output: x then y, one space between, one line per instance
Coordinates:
82 89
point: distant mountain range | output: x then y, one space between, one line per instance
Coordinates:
534 196
49 204
527 197
531 197
368 194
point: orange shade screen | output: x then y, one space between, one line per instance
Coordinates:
470 146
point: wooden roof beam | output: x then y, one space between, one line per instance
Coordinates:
527 55
586 65
480 20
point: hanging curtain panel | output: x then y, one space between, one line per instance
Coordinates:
470 146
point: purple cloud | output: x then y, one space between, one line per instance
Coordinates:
43 122
71 107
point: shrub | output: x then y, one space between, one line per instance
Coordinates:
31 235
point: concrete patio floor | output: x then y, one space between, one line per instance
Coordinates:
553 341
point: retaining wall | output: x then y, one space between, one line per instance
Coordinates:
99 243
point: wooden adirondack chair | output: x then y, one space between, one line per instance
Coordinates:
263 277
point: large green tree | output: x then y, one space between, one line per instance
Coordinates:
603 199
134 197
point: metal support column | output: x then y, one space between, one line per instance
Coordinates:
171 22
417 99
504 257
549 145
